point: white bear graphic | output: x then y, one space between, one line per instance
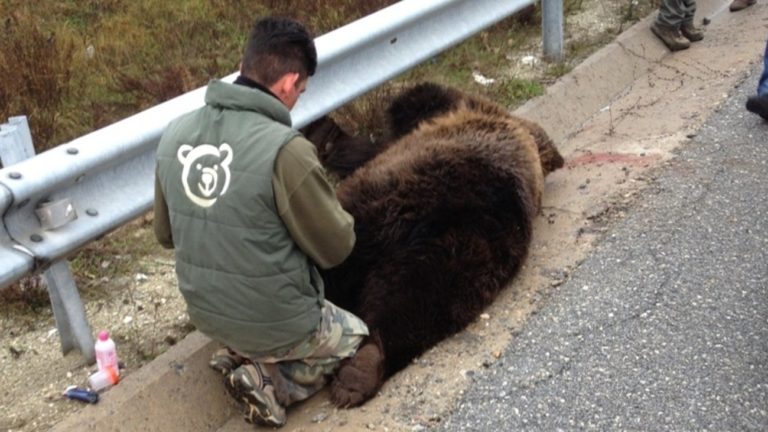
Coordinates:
207 168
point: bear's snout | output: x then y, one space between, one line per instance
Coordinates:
208 181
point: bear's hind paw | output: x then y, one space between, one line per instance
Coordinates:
359 378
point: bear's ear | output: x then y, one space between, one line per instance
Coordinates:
225 148
551 159
183 153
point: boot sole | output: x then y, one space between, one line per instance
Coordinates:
255 408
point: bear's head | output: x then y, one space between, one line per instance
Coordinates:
338 151
205 175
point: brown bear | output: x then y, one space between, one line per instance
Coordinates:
443 216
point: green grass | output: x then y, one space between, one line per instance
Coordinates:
516 91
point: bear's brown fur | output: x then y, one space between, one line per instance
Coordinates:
443 218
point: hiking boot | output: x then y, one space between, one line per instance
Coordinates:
671 37
224 361
691 32
250 385
737 5
758 105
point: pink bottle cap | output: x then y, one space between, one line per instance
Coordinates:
103 335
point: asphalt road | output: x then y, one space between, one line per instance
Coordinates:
665 326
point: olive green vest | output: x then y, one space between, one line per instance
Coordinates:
246 282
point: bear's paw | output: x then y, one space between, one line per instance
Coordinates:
360 377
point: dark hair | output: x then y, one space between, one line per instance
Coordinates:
277 46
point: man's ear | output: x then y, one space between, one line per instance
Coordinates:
286 84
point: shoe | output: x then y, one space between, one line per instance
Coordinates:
737 5
758 105
691 32
250 385
671 37
224 361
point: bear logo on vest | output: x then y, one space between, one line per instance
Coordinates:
206 172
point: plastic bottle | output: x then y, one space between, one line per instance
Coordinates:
106 353
103 379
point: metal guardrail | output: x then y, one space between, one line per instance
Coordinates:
104 179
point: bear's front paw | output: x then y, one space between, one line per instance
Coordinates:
359 378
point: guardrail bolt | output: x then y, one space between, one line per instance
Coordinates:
37 238
72 151
92 212
14 175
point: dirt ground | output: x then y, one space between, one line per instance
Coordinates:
145 313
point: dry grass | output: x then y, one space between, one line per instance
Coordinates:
74 66
37 74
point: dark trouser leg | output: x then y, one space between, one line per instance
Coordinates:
673 13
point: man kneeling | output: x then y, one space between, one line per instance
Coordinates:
245 203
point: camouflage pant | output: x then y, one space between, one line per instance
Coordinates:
673 13
301 371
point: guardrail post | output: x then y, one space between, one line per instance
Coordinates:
74 330
15 141
552 29
71 322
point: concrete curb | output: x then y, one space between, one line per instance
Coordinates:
577 96
177 390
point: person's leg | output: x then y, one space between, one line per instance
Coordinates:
762 85
689 10
305 369
672 13
668 23
758 104
688 29
272 382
